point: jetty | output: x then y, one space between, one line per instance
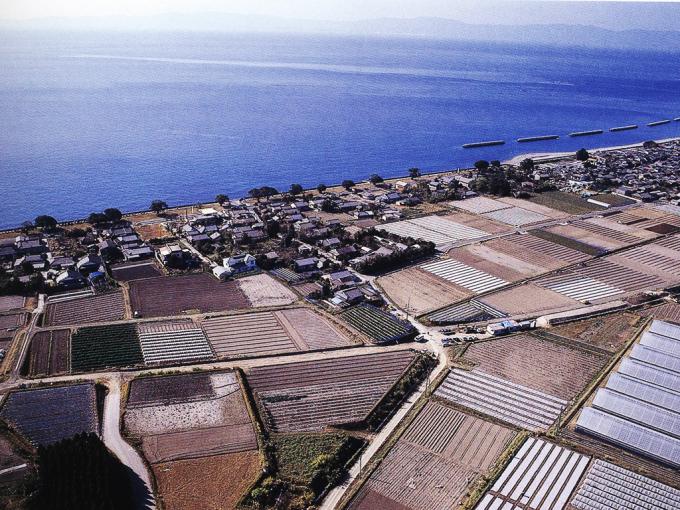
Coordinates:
483 144
623 128
587 133
677 119
537 138
659 123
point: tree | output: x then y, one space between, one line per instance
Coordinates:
27 267
414 172
527 164
113 214
273 228
321 188
268 191
26 227
482 165
375 179
221 199
255 193
582 155
495 163
45 222
158 205
96 218
295 189
348 184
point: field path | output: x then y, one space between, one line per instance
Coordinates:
126 453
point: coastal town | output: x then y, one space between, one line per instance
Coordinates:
503 336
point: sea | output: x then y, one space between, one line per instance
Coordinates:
91 120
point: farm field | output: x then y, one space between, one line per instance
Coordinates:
189 416
603 235
477 222
218 481
484 257
610 332
175 295
312 330
309 396
263 290
98 347
567 242
380 326
10 323
463 275
134 271
420 291
47 415
529 205
48 353
516 216
666 312
8 303
540 475
178 344
528 299
436 229
150 231
462 313
569 203
99 308
536 251
434 463
557 369
479 205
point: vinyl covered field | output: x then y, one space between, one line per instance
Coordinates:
173 341
217 482
189 416
434 463
311 395
440 230
610 332
49 353
377 324
263 290
97 347
47 415
100 308
420 291
558 369
134 271
264 333
175 295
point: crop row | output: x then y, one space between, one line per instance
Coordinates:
377 324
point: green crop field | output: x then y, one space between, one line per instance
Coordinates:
377 324
98 347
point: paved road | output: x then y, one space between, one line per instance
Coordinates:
126 453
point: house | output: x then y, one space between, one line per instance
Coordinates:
37 261
348 297
89 263
345 252
329 244
30 246
8 253
61 262
305 265
138 253
221 272
340 279
108 249
174 256
70 279
240 263
403 186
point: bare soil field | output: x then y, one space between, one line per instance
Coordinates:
99 308
478 222
666 312
610 332
536 251
420 291
436 460
189 416
533 206
8 303
175 295
590 237
152 231
135 271
484 258
10 323
309 396
49 353
551 367
263 290
311 329
529 299
217 482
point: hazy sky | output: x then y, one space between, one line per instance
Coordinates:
310 9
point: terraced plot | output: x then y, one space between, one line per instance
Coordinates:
381 326
189 416
175 295
48 415
97 347
434 463
178 345
554 368
309 396
607 485
99 308
541 475
493 396
48 353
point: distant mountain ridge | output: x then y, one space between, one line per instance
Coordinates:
425 27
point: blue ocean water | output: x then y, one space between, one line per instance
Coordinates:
92 120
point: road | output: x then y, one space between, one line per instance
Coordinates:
126 453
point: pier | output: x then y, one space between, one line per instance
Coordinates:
587 133
623 128
659 123
537 138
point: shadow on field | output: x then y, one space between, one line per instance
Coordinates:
140 492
